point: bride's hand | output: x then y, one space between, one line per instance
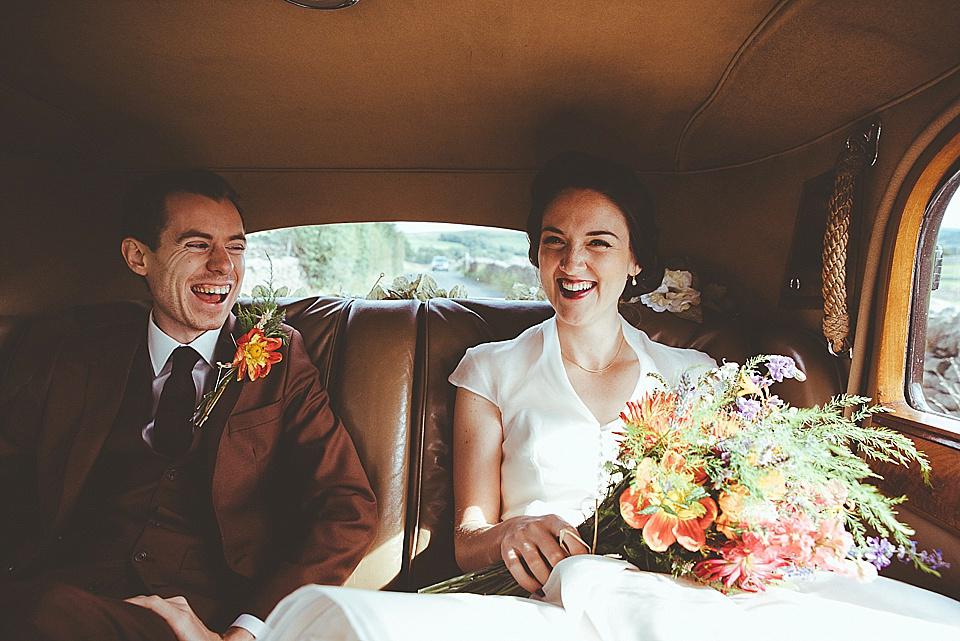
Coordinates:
532 545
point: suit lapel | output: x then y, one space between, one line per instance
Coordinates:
215 424
107 376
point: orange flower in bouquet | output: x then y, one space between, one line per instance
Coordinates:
655 410
668 505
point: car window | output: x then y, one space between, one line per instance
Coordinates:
934 382
350 258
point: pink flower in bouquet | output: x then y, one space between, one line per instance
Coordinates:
860 570
794 536
746 563
832 545
831 495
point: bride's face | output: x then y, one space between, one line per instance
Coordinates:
584 256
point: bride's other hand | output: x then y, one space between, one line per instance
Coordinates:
532 545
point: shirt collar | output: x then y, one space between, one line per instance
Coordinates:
161 346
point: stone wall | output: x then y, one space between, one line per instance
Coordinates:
941 363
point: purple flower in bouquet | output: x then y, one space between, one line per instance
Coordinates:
748 408
761 381
934 559
878 552
904 552
781 367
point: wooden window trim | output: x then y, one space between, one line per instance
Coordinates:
896 306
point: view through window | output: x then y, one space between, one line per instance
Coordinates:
941 364
348 259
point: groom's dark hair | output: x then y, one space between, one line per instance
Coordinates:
618 184
143 214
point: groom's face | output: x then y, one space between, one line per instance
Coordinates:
197 269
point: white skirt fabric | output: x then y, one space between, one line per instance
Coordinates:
591 598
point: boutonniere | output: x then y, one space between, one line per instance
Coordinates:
258 348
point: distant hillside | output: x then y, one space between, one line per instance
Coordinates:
949 239
496 244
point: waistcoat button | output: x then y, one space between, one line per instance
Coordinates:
139 557
171 474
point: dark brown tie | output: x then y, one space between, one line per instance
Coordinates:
173 424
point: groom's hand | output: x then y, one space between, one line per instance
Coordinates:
180 617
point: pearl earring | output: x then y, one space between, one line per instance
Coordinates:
633 281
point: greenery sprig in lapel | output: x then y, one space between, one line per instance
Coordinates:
258 347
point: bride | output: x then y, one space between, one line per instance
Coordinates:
535 419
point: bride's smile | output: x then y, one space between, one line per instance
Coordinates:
574 289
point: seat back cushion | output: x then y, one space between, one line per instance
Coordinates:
365 352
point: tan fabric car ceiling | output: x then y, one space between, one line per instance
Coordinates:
453 84
441 110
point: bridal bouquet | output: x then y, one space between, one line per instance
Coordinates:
719 480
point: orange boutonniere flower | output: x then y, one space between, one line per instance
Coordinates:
256 353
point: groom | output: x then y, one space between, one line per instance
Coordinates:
119 519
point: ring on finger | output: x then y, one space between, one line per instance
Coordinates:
569 531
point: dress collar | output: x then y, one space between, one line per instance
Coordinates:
554 361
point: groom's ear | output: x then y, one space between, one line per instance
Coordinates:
135 255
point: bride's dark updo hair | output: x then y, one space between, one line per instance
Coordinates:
621 186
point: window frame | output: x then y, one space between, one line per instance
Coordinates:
898 306
922 294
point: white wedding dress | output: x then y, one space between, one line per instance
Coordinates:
553 453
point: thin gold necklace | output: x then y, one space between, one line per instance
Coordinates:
602 369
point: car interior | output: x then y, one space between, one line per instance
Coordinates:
801 154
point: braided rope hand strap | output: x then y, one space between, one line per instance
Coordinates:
850 164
